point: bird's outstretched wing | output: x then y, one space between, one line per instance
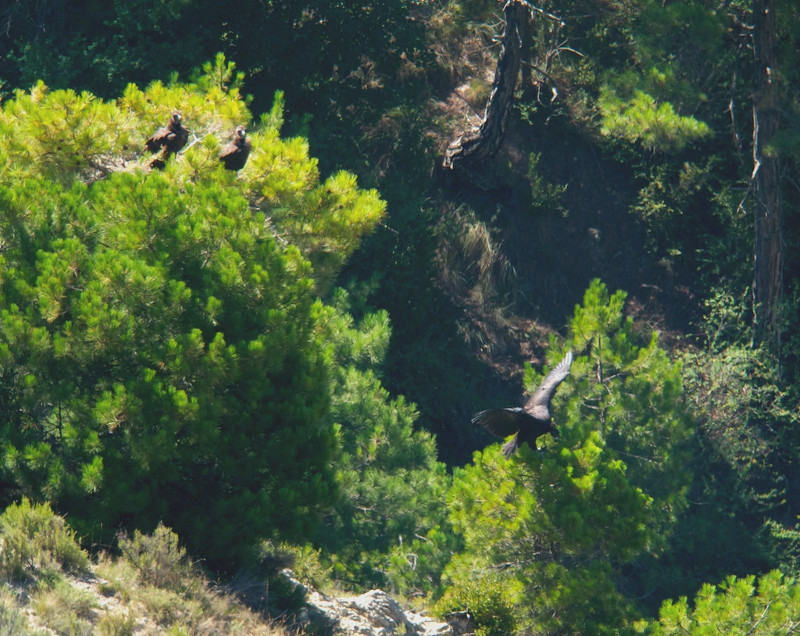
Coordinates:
158 139
228 150
502 422
234 157
539 403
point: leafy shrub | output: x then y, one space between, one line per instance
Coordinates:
491 602
33 539
309 565
158 557
544 195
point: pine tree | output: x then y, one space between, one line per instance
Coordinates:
386 529
552 529
743 605
158 358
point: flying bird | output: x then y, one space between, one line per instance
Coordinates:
169 140
234 154
531 421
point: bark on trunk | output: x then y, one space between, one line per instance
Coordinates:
472 151
524 30
768 248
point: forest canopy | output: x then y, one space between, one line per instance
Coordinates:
281 362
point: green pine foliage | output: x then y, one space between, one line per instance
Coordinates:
644 121
393 488
770 605
157 329
165 356
608 491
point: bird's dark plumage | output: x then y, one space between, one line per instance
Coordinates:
234 154
531 421
168 140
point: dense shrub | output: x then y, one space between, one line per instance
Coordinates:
35 541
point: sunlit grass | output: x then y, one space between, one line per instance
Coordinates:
52 586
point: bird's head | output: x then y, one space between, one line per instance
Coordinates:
241 132
176 118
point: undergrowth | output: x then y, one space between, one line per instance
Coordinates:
52 586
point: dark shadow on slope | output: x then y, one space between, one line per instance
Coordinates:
428 362
453 357
556 252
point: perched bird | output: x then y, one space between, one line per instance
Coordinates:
234 154
531 421
168 140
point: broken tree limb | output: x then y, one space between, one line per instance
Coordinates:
470 151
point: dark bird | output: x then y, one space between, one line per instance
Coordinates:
168 140
531 421
234 154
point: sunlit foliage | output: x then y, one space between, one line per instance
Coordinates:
157 348
569 516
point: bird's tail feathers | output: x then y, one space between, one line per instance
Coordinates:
510 447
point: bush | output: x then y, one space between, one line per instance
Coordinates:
13 621
158 557
33 540
490 601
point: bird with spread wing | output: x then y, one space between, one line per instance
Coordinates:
533 420
167 141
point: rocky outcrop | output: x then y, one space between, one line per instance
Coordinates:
373 613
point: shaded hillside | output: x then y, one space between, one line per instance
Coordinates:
506 263
557 247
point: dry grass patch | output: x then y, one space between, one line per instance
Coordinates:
52 587
65 609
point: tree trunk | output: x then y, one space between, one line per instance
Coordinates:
524 30
472 151
768 249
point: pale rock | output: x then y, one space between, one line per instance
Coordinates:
374 613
